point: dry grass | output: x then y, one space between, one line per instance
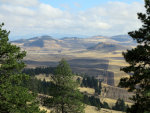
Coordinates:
46 56
114 66
45 109
88 109
117 62
87 90
95 54
111 102
92 109
43 76
114 63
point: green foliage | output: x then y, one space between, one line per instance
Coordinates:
105 105
139 65
13 97
38 86
120 105
66 98
39 70
93 101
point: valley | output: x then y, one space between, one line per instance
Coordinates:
100 57
95 56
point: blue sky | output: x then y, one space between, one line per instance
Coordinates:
27 18
82 4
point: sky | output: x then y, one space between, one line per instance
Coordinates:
28 18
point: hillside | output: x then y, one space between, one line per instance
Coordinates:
89 109
107 47
109 93
93 56
70 42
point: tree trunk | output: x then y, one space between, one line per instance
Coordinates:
62 108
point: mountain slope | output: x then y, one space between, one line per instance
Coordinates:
106 47
47 43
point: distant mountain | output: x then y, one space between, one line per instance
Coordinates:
106 47
124 40
48 43
42 42
34 42
77 43
19 41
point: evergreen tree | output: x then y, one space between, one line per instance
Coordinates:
13 97
139 65
120 105
105 105
66 97
86 100
92 83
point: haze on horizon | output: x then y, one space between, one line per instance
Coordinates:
25 18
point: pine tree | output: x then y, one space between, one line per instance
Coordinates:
139 65
13 97
119 105
66 96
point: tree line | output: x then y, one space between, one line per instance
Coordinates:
92 82
39 70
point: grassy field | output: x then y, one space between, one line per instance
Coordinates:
88 109
92 109
90 91
114 66
111 102
51 58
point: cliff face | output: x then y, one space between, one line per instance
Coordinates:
115 93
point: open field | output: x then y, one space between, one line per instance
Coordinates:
114 66
90 91
111 102
92 109
88 109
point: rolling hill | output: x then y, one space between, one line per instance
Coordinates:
75 43
107 47
93 56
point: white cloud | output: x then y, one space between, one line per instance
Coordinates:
49 12
18 10
109 19
26 3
